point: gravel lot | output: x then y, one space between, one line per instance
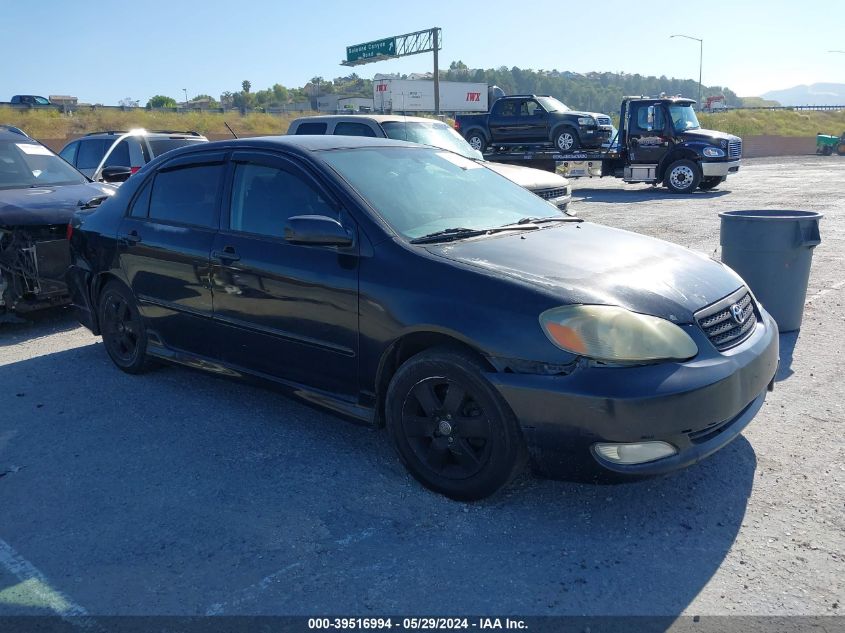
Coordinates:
182 493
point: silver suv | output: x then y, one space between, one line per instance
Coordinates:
99 151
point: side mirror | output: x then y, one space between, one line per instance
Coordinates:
316 230
116 173
650 118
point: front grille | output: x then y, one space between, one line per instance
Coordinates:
735 148
603 120
729 321
548 194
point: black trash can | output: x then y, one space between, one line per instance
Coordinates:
772 251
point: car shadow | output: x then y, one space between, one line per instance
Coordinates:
629 195
788 340
16 328
180 492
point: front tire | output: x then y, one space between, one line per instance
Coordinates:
477 141
122 327
450 427
682 176
566 140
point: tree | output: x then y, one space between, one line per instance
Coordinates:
280 94
246 85
128 102
212 102
160 101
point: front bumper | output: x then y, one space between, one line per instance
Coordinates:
594 137
710 169
698 406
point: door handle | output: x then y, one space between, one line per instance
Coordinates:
227 254
131 238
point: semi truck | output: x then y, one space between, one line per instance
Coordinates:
417 95
659 141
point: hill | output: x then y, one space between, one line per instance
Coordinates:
814 94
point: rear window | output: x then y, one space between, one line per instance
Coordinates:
119 155
161 145
312 128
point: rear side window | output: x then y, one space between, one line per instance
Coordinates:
187 195
91 152
642 118
353 129
69 153
120 155
312 128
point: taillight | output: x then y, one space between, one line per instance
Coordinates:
69 231
135 170
457 126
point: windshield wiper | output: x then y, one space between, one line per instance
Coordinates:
448 234
461 233
552 218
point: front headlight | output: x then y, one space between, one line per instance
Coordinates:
586 121
713 152
611 333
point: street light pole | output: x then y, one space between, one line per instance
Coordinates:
700 60
185 90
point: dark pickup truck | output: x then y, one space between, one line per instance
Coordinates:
534 120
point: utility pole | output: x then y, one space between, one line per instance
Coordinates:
700 60
434 33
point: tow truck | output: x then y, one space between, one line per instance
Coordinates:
659 141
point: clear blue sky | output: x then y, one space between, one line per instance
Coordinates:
102 52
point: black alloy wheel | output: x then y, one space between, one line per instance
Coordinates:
450 427
124 335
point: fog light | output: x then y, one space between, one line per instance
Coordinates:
635 453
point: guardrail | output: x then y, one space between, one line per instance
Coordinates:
67 109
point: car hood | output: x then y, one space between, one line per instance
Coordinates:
595 115
593 264
708 136
47 205
528 177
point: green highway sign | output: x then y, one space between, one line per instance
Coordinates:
378 48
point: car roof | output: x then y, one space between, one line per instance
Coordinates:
143 132
378 118
300 144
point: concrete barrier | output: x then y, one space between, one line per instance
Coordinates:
752 146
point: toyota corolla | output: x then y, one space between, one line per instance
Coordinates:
412 288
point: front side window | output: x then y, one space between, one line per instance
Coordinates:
28 164
353 129
422 190
264 197
508 108
187 195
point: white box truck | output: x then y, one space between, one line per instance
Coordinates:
405 95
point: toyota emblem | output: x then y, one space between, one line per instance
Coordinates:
738 313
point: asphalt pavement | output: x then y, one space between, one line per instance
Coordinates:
178 492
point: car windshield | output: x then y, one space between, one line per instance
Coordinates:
550 104
683 118
419 191
434 133
162 145
29 164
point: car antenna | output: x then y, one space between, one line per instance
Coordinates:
230 129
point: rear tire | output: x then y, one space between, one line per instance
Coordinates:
477 141
827 150
841 149
123 331
682 176
566 140
450 427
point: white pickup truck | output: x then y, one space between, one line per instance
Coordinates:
549 186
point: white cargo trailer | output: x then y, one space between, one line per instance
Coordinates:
404 95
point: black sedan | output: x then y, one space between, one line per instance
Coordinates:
410 287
